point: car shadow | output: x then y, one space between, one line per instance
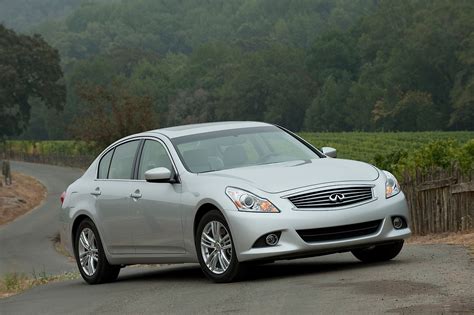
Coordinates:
263 272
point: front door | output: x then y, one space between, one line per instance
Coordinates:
157 206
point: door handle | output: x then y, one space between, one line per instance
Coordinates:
96 192
136 194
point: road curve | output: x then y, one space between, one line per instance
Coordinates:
424 279
25 244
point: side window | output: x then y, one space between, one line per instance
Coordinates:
153 155
104 165
122 161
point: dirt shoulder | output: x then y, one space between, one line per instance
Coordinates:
24 194
459 238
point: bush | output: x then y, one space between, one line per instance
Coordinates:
390 161
437 154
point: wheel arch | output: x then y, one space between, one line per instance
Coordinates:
75 225
202 210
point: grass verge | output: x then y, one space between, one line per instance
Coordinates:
14 283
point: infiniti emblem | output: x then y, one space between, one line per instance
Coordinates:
337 197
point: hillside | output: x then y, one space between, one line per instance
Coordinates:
307 65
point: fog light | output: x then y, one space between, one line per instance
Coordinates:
398 222
271 239
266 240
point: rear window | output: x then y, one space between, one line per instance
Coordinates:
121 166
104 165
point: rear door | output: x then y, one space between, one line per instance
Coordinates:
112 190
159 226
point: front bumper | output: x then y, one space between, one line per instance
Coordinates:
246 228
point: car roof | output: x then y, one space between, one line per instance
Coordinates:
185 130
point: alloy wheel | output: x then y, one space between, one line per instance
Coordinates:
88 252
216 247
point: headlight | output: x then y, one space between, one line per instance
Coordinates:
391 185
245 201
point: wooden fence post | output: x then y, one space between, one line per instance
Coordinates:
6 171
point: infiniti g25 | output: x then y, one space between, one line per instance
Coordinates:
226 195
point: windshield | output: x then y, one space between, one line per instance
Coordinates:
225 149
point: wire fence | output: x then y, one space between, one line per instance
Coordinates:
80 161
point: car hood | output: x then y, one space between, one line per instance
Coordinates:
281 177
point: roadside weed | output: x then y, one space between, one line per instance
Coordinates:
14 282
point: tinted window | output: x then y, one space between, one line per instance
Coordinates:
153 155
104 164
122 161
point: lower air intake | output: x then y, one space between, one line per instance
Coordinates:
340 232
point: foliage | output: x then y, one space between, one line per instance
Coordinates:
404 151
413 111
313 65
111 115
437 154
21 15
269 85
29 68
390 161
369 146
327 110
411 66
383 149
14 283
247 57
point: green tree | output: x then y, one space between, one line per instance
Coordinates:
190 107
270 85
462 94
29 68
326 111
422 47
317 64
413 111
111 113
332 55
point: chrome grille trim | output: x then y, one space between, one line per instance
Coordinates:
320 198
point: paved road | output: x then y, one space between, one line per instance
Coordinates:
25 244
423 279
428 279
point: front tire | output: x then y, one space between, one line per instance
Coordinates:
379 253
90 255
215 249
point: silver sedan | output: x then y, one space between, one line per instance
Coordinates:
227 195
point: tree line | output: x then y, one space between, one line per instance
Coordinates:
315 65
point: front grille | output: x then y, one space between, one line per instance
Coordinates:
340 232
331 198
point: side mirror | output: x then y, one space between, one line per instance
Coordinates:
328 151
159 174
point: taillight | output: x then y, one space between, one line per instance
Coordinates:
63 195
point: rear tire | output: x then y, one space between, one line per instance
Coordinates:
94 267
379 253
215 245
